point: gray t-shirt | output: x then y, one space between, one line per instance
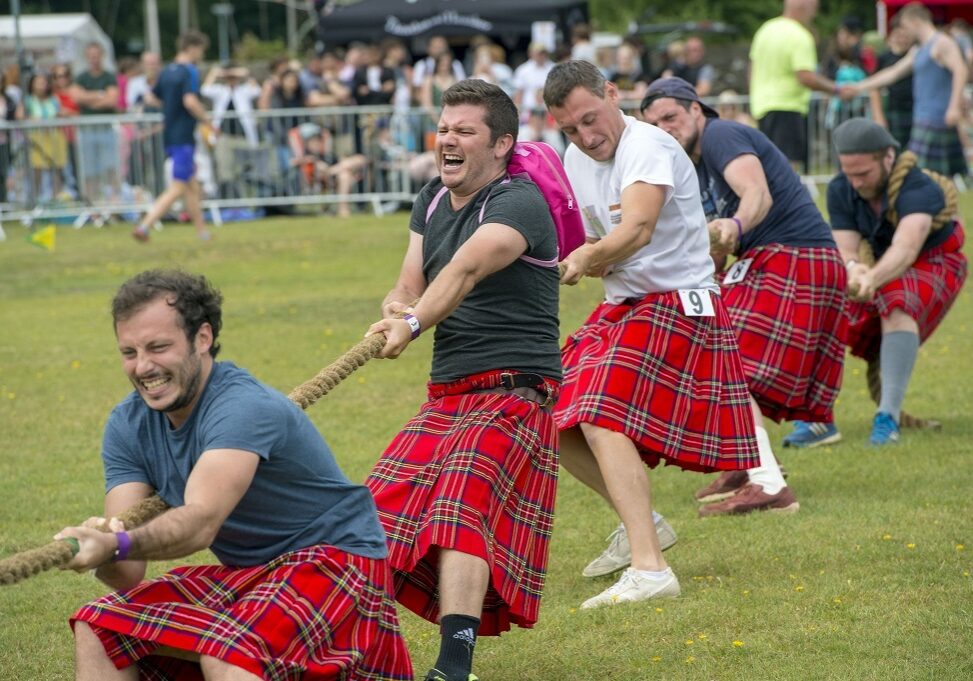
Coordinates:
510 318
298 498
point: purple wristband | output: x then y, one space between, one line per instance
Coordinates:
739 227
413 324
124 546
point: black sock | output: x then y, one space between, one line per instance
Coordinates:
456 649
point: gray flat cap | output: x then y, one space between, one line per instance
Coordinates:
862 136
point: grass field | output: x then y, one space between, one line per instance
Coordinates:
871 580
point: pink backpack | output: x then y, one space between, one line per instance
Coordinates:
538 162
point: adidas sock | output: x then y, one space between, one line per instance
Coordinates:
767 474
897 357
456 649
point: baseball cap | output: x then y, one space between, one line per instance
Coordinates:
676 88
862 136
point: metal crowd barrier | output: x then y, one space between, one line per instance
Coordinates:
86 169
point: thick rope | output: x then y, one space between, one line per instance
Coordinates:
903 164
27 563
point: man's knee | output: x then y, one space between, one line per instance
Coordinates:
899 320
215 669
87 645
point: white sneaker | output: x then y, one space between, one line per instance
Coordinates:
632 587
618 555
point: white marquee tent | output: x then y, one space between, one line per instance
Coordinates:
54 38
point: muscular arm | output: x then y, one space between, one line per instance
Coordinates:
491 248
745 175
815 81
411 283
910 234
848 241
215 486
889 74
195 107
641 205
947 53
128 573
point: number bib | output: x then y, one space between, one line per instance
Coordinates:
737 271
696 302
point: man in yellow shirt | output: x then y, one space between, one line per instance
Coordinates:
783 71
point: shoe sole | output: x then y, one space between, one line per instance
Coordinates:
783 510
830 440
718 496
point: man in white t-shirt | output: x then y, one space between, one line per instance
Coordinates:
529 79
654 374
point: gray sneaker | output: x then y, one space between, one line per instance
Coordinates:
632 587
618 555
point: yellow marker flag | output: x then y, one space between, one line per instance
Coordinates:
44 238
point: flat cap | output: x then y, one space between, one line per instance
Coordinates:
862 136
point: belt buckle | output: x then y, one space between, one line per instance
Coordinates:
548 398
507 381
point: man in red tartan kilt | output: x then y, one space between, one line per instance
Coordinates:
466 490
897 302
785 293
654 374
302 591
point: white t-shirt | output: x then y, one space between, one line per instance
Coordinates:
678 255
529 79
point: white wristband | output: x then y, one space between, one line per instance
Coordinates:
413 324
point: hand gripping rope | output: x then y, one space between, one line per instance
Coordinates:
27 563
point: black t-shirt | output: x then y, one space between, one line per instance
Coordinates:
510 318
175 81
900 92
793 220
919 194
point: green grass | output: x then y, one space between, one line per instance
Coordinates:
871 580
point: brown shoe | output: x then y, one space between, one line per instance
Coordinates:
726 485
752 497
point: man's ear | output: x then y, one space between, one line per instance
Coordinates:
204 338
503 146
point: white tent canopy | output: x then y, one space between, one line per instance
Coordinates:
54 38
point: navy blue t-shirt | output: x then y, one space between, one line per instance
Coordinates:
298 497
793 219
919 194
175 81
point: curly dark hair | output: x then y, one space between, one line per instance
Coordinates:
192 296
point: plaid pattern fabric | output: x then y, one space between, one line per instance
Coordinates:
316 613
900 125
788 313
671 383
925 292
938 148
476 473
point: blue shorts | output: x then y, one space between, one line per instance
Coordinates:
183 166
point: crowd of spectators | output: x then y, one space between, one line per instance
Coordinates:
307 150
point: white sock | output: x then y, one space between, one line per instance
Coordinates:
767 474
656 517
653 575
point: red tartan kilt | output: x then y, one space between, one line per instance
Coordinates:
671 383
788 313
925 292
318 613
477 473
